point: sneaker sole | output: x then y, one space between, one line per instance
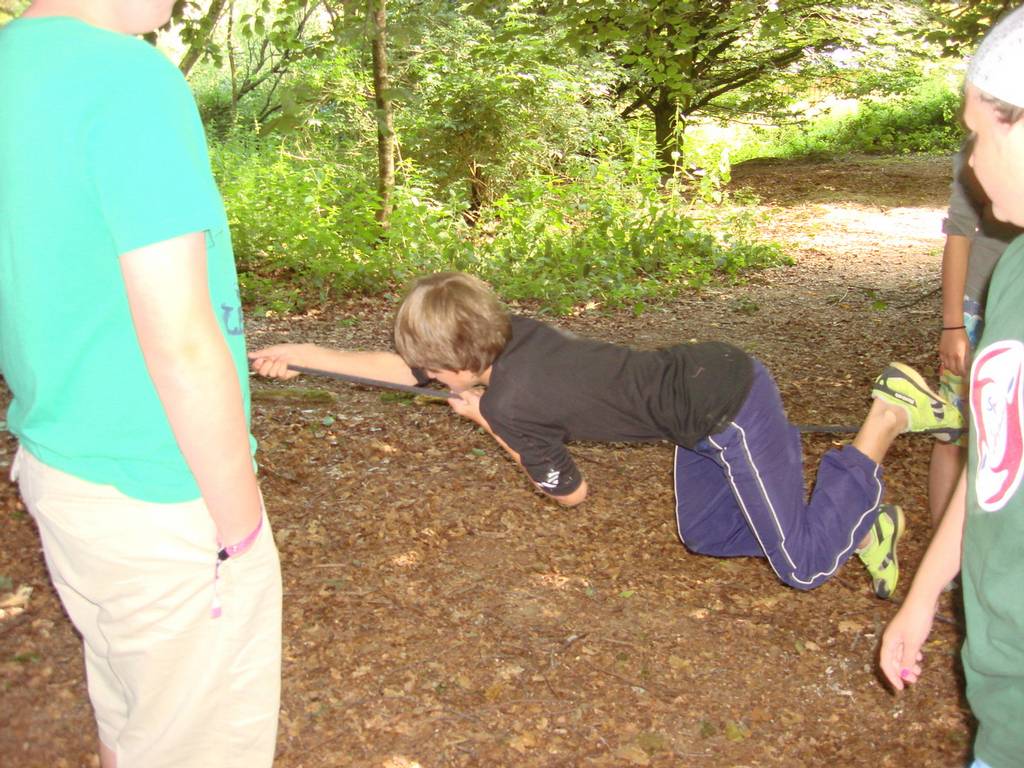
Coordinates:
900 528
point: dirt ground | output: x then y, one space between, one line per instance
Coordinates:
440 613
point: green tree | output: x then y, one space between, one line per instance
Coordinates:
11 8
198 31
490 98
959 25
726 58
263 42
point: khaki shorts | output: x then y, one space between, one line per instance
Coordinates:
170 684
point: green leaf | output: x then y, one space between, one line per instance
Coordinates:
402 398
652 742
736 731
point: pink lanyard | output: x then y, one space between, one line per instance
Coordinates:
231 550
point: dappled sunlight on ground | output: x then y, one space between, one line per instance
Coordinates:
908 224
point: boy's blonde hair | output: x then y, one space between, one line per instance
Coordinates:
451 321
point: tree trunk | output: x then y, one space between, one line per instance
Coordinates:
385 119
477 193
666 134
203 34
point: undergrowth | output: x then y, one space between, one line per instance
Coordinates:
606 233
923 121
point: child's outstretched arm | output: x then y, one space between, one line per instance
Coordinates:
273 362
468 404
900 655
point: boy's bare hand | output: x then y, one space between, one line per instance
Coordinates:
955 351
468 404
273 361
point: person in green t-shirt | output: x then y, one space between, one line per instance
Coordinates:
974 243
983 527
121 342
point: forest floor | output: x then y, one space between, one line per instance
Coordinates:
438 612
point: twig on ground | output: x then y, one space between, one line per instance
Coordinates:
9 624
919 298
653 688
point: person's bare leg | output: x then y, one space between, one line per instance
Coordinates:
883 424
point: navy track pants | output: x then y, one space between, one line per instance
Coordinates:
740 492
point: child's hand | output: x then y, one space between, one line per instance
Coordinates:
468 404
273 362
900 656
955 351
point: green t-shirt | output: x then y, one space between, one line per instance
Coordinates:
993 554
102 152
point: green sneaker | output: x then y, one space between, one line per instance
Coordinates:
927 411
879 557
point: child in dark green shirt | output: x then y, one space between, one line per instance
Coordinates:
983 526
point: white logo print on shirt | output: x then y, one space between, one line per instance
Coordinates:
996 390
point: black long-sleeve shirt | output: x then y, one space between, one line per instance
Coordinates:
548 387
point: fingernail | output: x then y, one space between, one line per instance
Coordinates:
904 673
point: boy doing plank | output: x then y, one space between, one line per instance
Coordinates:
738 467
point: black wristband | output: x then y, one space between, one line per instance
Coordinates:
954 327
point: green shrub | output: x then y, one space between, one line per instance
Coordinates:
601 239
925 120
297 221
304 227
424 235
304 231
573 210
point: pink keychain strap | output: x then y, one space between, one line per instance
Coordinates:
240 546
231 550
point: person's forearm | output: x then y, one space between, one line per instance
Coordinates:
198 386
941 561
478 418
955 257
379 365
568 500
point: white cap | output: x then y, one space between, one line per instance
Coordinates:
998 65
